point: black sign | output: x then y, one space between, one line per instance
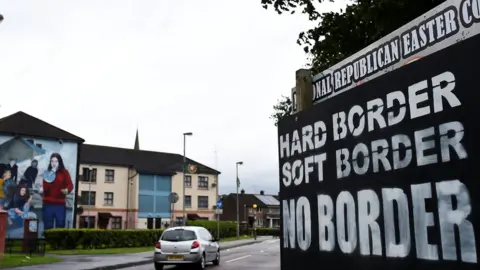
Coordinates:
386 177
398 48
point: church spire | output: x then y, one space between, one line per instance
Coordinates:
137 143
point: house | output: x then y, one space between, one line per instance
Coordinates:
267 212
123 188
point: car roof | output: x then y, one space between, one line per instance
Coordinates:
189 228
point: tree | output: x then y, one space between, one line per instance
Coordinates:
282 109
341 34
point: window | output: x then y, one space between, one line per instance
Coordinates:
203 202
158 223
203 182
178 235
116 223
188 181
149 223
86 222
108 198
89 175
188 201
85 199
109 176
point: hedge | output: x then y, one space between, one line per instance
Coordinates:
268 232
227 228
59 239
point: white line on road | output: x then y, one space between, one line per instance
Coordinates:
239 258
272 241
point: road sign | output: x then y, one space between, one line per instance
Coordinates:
219 211
173 198
219 204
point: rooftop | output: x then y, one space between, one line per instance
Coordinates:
23 124
143 161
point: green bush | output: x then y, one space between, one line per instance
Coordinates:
268 232
59 239
227 228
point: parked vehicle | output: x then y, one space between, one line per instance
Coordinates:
189 245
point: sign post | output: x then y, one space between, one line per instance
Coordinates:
219 211
173 198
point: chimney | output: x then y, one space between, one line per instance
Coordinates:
242 191
261 192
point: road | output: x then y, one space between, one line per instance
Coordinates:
262 256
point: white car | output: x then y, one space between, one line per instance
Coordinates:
189 245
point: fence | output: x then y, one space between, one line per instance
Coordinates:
19 246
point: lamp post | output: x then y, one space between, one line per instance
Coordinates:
184 177
254 221
238 210
90 175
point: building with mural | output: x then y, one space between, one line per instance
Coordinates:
38 173
50 175
122 188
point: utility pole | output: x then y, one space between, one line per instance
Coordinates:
90 175
238 210
184 177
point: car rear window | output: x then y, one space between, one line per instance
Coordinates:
178 235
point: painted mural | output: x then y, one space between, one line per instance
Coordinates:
37 180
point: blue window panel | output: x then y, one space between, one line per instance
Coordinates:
162 204
163 183
146 203
146 182
154 215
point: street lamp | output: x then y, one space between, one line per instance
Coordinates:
184 177
238 210
254 221
90 175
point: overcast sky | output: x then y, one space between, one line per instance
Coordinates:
99 69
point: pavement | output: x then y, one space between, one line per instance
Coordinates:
119 261
261 256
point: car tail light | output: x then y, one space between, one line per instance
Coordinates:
157 245
195 244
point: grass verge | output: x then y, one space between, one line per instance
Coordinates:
101 251
15 260
242 237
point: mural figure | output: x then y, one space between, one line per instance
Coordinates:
57 184
21 205
12 167
3 188
8 189
30 175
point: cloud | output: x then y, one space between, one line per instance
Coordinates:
99 69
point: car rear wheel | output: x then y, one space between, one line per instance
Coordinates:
201 263
217 259
158 266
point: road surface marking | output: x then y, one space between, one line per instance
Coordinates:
239 258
